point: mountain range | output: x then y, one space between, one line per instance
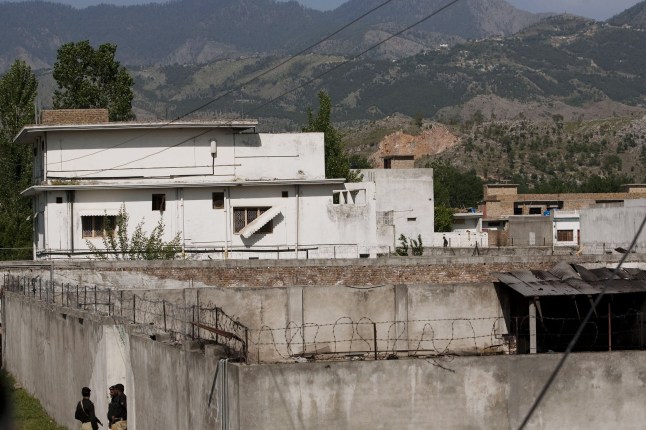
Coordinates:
200 31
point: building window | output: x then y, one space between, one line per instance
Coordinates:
59 200
385 218
159 202
565 235
245 216
218 200
349 197
411 219
97 225
285 194
535 211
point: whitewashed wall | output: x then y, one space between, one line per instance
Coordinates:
183 152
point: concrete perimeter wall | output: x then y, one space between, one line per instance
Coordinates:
593 391
169 387
54 352
408 319
276 273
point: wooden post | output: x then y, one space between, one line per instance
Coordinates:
532 327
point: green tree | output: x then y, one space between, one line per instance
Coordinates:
443 219
454 188
92 78
17 94
139 246
337 163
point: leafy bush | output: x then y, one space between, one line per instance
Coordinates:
139 246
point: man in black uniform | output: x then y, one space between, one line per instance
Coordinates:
85 412
117 409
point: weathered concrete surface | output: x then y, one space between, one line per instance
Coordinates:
605 228
55 351
169 386
447 268
594 390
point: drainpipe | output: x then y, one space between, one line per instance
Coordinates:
182 218
298 218
227 206
71 196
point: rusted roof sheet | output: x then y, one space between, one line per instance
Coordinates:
574 280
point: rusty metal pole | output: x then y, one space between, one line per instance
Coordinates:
246 345
217 323
164 313
374 334
193 323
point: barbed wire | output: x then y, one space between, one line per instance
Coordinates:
362 338
152 316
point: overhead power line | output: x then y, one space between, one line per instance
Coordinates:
376 45
240 86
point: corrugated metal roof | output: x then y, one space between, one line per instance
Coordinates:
573 280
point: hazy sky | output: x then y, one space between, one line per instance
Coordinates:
597 9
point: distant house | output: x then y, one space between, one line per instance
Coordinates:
228 191
502 204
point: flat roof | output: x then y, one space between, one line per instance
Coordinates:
135 125
35 189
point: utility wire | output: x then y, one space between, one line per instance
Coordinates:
392 36
282 63
241 85
579 331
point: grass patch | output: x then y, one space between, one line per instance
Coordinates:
26 410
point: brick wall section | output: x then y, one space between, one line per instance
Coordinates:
348 275
503 205
386 271
74 116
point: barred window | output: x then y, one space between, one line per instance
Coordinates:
96 225
244 216
385 218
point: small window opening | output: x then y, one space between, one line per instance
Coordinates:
285 194
59 200
535 211
411 219
218 200
159 202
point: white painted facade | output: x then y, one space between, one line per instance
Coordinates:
404 204
211 179
566 227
